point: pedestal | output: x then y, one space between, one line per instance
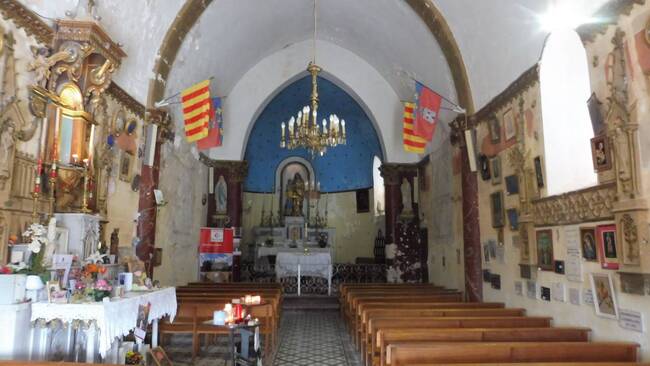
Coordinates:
83 235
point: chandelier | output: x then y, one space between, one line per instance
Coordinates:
303 130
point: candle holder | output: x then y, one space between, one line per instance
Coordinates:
52 182
84 200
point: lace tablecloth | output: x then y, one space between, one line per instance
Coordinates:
113 319
314 264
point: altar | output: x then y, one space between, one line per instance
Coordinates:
305 263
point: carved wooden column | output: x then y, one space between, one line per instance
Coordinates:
150 178
392 198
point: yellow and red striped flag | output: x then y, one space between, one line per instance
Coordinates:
412 142
196 110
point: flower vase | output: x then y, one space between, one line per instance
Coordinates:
99 295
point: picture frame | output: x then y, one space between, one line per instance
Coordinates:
484 166
512 184
513 218
509 126
607 249
159 356
61 240
119 122
602 288
496 202
494 126
495 167
142 321
126 161
544 241
601 154
539 172
588 244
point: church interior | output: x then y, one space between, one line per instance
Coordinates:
325 182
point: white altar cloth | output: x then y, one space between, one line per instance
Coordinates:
288 264
113 319
263 251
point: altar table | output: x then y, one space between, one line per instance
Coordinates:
110 319
289 264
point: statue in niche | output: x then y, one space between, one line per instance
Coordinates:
295 194
221 195
7 143
115 243
407 203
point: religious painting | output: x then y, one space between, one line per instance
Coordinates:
495 129
539 175
588 243
513 218
119 122
600 153
126 160
545 260
484 166
496 201
495 165
363 200
509 124
604 296
597 121
512 184
221 195
142 321
607 249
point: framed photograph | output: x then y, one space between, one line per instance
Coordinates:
512 184
600 153
126 160
484 166
607 250
604 296
496 201
61 240
495 129
509 124
159 357
539 173
513 218
495 281
495 165
588 244
545 259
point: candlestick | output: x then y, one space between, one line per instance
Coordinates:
52 181
84 201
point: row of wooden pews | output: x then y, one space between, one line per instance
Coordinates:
198 301
423 324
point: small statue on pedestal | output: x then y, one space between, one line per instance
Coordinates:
295 196
115 243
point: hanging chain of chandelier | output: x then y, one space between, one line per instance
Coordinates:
303 130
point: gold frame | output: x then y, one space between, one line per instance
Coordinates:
126 177
114 129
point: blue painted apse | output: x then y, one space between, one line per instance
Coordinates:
343 168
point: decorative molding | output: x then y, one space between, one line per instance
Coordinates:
394 172
28 20
607 15
237 170
590 204
126 100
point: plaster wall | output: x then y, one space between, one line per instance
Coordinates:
355 232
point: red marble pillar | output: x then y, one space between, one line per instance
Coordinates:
150 177
471 231
392 198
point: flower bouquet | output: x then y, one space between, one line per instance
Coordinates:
134 358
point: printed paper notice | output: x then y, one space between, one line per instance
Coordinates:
630 320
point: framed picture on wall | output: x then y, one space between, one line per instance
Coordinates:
363 200
604 296
509 124
600 153
126 160
484 166
544 239
496 202
539 173
495 129
512 184
495 165
588 244
607 249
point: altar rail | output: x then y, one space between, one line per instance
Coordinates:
341 273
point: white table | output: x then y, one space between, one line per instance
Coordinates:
263 251
289 264
110 319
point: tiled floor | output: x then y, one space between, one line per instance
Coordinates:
307 337
313 337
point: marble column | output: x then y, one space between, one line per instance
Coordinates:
150 178
392 198
471 232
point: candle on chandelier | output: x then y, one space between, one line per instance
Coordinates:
343 127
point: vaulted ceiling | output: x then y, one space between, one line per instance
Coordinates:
498 39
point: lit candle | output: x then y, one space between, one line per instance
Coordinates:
75 158
283 127
306 186
318 186
91 144
324 126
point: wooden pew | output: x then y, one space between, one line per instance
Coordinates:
399 354
388 336
362 331
537 364
374 325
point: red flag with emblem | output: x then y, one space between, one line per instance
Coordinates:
427 111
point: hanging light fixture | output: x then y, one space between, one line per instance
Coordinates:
303 130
